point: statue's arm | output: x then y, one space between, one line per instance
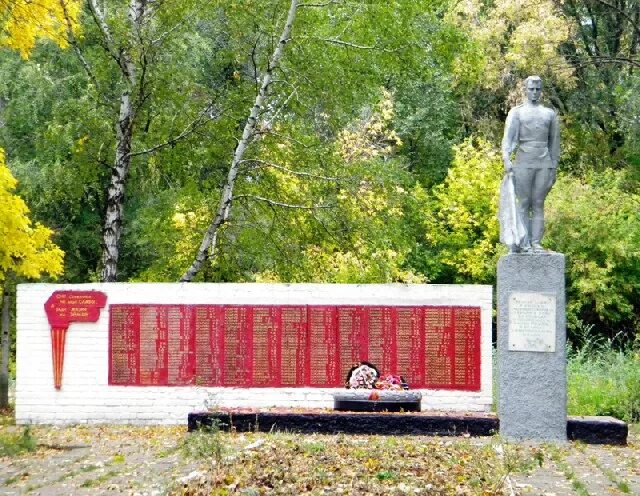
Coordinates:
554 140
510 138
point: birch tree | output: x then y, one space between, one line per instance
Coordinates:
208 245
133 40
326 66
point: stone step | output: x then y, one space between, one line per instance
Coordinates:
590 430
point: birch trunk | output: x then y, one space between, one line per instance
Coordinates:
4 346
208 245
114 215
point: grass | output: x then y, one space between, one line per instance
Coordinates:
601 380
13 443
98 481
621 484
7 416
205 442
604 381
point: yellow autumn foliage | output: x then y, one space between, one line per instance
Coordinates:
24 21
372 137
25 249
461 221
515 37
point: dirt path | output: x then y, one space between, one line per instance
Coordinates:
150 461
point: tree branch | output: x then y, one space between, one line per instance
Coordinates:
289 171
274 203
71 38
324 4
188 130
107 41
209 241
623 13
336 41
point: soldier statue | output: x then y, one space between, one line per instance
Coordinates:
533 131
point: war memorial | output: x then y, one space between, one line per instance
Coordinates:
155 353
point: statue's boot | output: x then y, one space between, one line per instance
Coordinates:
537 231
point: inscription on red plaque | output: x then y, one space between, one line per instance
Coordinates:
292 346
62 309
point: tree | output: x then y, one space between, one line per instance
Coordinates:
24 21
460 217
351 70
26 250
604 54
208 245
595 222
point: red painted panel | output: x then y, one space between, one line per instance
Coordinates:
295 366
323 346
62 308
292 346
410 344
124 344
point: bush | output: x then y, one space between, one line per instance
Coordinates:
205 442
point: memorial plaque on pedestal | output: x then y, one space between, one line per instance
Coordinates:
532 322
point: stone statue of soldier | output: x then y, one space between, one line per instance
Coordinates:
533 131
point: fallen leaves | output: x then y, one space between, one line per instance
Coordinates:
375 465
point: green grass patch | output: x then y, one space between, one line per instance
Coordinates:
604 381
16 443
206 442
91 483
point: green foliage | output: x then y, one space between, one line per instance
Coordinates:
603 380
595 222
13 443
460 217
26 249
410 188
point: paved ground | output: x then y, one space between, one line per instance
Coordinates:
97 460
149 461
584 470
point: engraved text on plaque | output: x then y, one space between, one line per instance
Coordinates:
532 322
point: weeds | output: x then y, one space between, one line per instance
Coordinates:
620 483
206 442
377 465
558 457
604 381
7 416
15 443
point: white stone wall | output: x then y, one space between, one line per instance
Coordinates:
86 396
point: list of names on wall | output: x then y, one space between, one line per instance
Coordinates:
291 346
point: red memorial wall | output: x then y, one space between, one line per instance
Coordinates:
290 346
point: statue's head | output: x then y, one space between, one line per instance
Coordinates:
533 88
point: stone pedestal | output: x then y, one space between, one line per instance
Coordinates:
532 381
